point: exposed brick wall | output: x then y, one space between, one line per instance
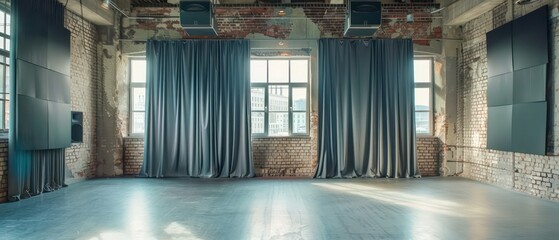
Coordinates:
3 170
532 174
81 157
133 155
427 153
296 157
302 21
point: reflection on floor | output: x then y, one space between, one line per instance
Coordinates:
133 208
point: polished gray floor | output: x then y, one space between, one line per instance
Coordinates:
133 208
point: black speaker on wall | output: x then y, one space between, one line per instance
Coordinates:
197 17
77 127
363 18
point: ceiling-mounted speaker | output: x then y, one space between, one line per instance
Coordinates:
363 18
197 18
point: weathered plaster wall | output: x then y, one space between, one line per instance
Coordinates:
112 104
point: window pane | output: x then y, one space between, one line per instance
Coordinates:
2 22
257 122
7 113
422 122
278 98
7 44
2 90
279 71
257 99
138 99
138 70
2 113
299 71
300 99
299 122
422 70
8 24
278 124
258 70
422 97
138 119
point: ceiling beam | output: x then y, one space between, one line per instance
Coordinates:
93 11
463 11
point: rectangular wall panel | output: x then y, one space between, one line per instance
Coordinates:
500 90
59 125
529 128
499 50
32 123
530 84
58 88
59 50
27 74
499 128
31 47
530 39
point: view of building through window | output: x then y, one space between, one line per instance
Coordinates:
137 95
423 68
279 96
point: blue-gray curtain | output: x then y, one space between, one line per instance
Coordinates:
198 109
366 109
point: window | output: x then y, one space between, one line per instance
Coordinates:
279 96
423 77
4 66
137 96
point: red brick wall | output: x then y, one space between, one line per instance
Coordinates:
427 153
3 170
246 21
133 155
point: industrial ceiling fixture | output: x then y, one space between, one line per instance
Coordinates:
524 2
106 4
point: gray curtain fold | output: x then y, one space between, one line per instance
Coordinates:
198 109
366 109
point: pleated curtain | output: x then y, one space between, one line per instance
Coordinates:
198 109
366 110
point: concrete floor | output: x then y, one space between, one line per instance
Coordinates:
428 208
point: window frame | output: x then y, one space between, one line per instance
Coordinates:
5 53
429 85
290 85
131 87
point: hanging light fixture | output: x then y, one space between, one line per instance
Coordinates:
106 4
524 2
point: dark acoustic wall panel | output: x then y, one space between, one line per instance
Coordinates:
42 76
500 90
530 84
32 127
59 125
58 50
499 50
32 80
33 26
27 74
499 125
529 128
530 39
517 57
58 88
